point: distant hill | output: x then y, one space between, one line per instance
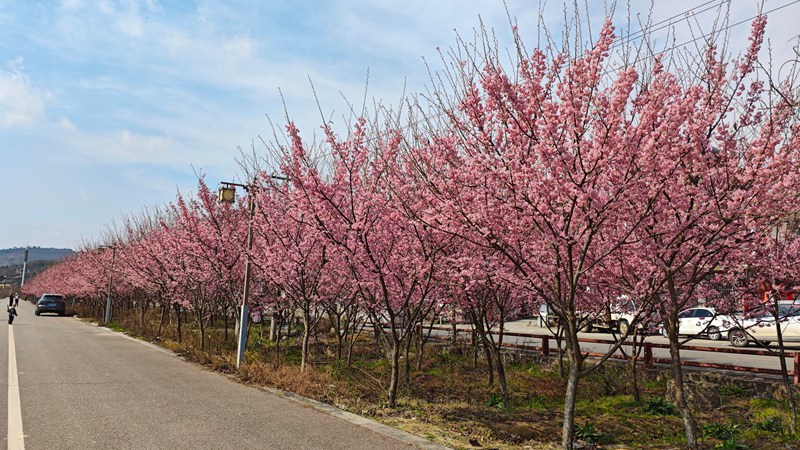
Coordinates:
15 256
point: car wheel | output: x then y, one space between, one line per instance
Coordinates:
37 313
738 338
714 334
623 327
585 326
765 343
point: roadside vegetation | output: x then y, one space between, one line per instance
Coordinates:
449 400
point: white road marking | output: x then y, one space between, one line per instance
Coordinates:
16 439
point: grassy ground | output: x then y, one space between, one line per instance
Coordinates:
449 400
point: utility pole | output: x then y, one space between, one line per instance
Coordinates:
24 267
227 194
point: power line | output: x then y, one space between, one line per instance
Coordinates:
733 25
675 47
658 26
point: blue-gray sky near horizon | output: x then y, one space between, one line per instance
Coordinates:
110 106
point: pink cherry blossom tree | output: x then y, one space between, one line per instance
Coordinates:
541 167
293 255
582 169
485 290
722 166
150 265
213 237
768 267
391 260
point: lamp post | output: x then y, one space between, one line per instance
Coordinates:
110 280
227 194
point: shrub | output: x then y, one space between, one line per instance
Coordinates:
658 406
720 431
588 433
771 424
735 390
495 401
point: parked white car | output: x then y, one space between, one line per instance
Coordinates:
761 326
703 321
617 318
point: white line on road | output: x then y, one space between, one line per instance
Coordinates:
16 439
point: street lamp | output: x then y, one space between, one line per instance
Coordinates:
110 280
227 194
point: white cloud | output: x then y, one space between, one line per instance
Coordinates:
66 124
131 26
241 46
71 5
20 102
153 180
131 147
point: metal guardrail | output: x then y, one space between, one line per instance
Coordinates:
647 352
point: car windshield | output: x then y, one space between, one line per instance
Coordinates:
790 310
626 306
766 312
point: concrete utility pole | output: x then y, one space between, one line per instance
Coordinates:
24 267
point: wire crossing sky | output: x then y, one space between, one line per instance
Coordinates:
107 107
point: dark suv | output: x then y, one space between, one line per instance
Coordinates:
51 303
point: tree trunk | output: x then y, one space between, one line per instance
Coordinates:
201 325
689 424
394 381
350 346
225 322
178 313
379 335
501 377
487 349
306 338
637 396
278 335
407 362
142 316
501 370
570 397
633 365
164 310
785 374
274 323
421 345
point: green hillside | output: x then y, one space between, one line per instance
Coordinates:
14 256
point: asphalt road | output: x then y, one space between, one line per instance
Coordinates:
85 387
742 360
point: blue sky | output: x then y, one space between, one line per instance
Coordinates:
111 106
